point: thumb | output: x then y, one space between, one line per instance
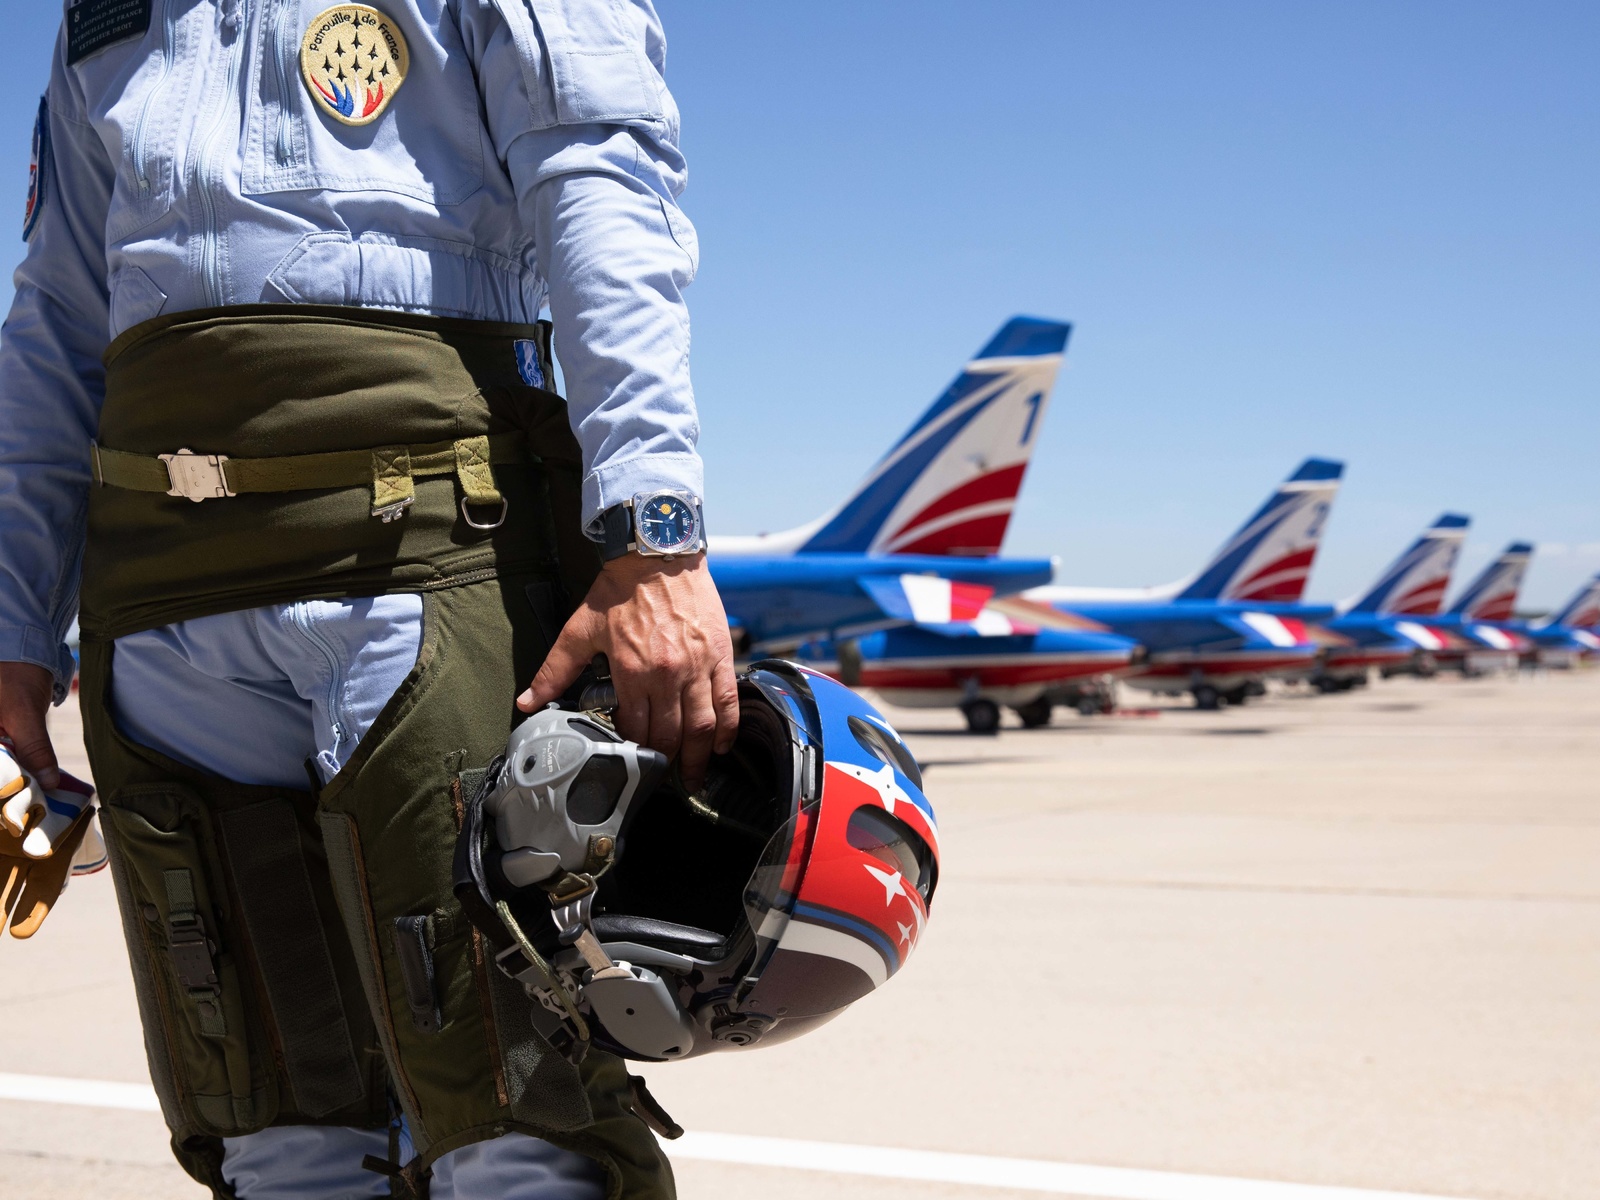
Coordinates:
573 651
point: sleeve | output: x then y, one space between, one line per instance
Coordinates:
579 112
52 383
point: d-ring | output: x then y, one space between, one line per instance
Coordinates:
466 515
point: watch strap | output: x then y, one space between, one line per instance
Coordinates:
616 531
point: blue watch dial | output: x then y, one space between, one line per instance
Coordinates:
667 524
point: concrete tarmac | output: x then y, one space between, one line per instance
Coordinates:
1349 940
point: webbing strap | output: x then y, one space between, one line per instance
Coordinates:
190 951
473 456
280 911
389 470
180 891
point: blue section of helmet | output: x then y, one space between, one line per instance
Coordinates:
858 928
835 705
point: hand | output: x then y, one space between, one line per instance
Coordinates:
25 694
40 818
662 626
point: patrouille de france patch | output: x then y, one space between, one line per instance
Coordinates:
354 60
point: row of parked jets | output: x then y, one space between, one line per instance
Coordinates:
904 588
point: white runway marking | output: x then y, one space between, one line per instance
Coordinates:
928 1166
87 1093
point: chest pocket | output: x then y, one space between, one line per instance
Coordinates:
426 142
136 94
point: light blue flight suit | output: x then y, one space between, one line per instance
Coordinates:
529 159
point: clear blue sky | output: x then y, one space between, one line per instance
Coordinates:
1363 230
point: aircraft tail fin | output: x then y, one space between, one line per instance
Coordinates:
1583 610
1492 596
1415 583
948 485
1270 557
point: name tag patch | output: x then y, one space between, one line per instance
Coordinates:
354 60
94 24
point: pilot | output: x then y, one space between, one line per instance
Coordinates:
278 426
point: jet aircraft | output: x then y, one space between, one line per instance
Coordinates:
1570 634
1482 618
1219 633
1388 627
978 665
918 539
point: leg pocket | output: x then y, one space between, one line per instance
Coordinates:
182 937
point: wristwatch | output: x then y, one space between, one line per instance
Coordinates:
654 524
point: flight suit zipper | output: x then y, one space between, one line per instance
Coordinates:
283 51
141 164
232 15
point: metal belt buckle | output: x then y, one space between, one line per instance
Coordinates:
196 476
393 512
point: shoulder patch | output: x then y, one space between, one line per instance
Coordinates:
353 60
38 169
528 362
94 24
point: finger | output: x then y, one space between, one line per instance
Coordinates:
24 724
567 658
632 717
699 731
46 879
666 716
12 872
62 807
725 702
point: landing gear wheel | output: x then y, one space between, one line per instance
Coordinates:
1207 698
1239 696
983 716
1035 714
1092 706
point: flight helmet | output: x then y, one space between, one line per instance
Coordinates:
662 924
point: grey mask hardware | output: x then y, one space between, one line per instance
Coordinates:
560 804
562 799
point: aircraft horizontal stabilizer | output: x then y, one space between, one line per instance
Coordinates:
1043 616
925 599
1321 635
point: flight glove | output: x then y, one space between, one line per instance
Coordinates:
45 838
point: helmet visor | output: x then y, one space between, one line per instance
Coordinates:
769 897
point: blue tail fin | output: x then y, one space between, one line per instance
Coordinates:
1270 557
1583 610
948 486
1416 582
1492 596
